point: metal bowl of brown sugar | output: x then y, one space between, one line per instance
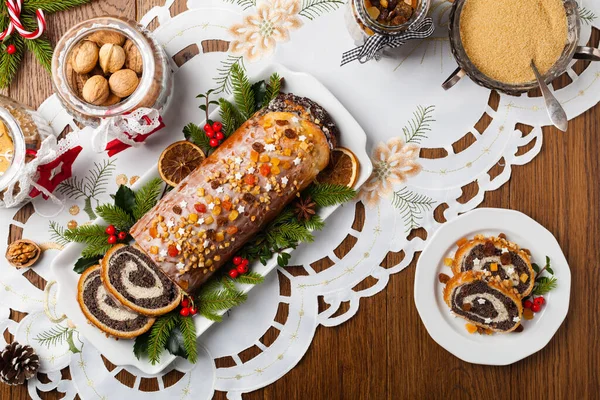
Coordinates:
500 57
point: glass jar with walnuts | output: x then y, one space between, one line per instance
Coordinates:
107 67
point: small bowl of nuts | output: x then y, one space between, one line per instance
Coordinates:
108 66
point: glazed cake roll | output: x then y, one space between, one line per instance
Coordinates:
106 313
197 227
485 304
137 283
500 260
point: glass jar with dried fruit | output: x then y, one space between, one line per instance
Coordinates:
106 68
22 131
368 18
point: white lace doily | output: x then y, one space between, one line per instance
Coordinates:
401 106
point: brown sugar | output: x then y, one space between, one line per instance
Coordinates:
502 37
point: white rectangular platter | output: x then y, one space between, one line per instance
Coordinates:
120 352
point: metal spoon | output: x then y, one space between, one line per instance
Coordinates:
555 111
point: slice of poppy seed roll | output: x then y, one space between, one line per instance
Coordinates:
499 260
485 304
137 282
106 313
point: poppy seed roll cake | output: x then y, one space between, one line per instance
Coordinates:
133 278
105 312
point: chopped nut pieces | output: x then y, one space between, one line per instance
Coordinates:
23 253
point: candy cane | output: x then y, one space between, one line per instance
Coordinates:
14 13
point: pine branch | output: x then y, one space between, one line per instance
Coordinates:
188 330
224 79
57 233
96 249
51 6
328 194
98 178
419 125
245 4
290 232
159 335
273 89
72 188
315 223
230 117
57 334
251 278
242 92
312 9
116 216
146 198
228 284
544 285
9 63
89 234
587 16
42 49
196 135
211 302
411 206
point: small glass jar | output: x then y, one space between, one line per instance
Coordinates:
155 83
362 25
22 131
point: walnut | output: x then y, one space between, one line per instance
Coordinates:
106 36
133 58
112 58
95 90
75 80
123 83
111 100
85 57
23 253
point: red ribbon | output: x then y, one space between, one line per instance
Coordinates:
115 146
45 178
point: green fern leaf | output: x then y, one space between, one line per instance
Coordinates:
72 188
146 197
587 16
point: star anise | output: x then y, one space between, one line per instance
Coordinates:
304 208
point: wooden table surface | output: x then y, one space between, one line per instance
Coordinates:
384 352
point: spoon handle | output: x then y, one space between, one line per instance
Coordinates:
555 110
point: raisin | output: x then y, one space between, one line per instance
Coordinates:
519 329
247 197
258 147
443 278
290 134
489 249
222 221
210 234
281 122
502 236
215 184
466 306
177 210
505 259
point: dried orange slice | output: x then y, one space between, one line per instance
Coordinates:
178 160
342 169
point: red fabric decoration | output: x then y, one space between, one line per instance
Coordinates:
115 146
50 182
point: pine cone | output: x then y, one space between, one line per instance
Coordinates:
18 363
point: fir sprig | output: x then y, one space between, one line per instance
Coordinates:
159 335
231 118
242 92
213 301
411 205
543 284
90 234
52 337
224 79
312 9
146 198
587 16
273 89
57 233
51 6
196 135
420 125
328 194
115 215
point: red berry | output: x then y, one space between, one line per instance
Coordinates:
536 307
527 304
210 134
208 128
172 250
193 311
110 230
184 312
219 136
11 49
233 273
245 262
539 300
217 126
112 239
185 302
237 260
122 235
201 208
213 142
242 268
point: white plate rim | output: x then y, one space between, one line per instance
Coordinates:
489 351
356 137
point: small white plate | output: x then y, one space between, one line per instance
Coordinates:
449 331
120 352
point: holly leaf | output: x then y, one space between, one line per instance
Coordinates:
535 267
140 346
125 198
260 92
175 344
84 263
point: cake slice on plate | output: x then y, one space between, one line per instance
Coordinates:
488 305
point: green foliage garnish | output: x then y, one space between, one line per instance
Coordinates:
273 89
125 199
543 284
328 194
115 215
196 135
146 198
216 298
86 262
242 92
230 117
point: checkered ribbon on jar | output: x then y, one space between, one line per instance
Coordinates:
373 44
